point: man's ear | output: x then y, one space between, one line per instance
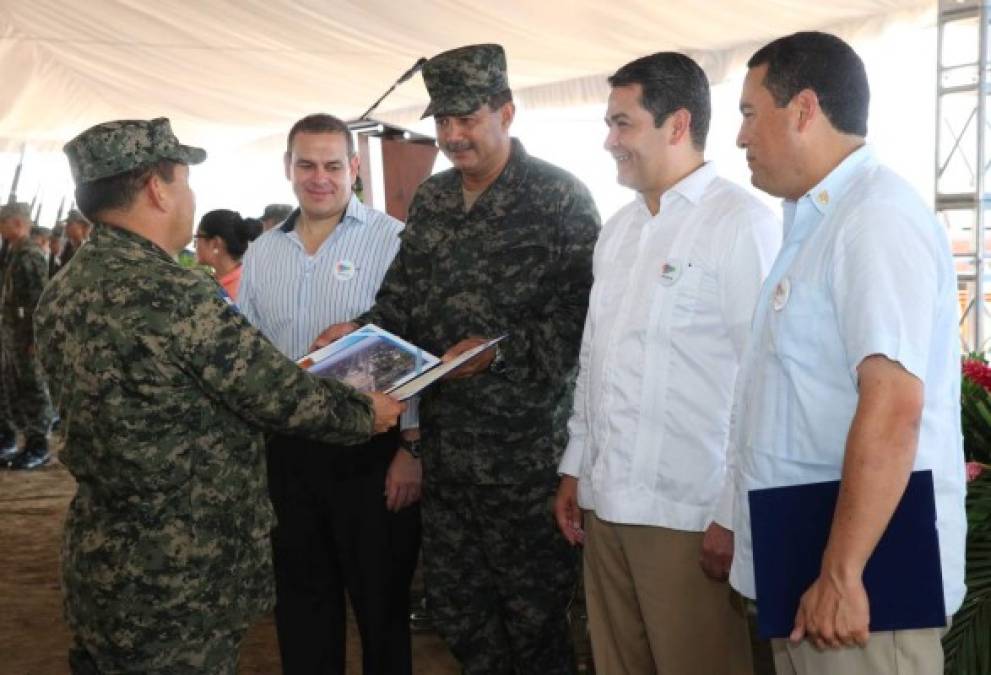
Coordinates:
287 162
507 114
355 163
158 196
681 125
806 104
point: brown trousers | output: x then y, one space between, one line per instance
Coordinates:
903 652
651 609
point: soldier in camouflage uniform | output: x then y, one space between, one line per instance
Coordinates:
25 274
164 390
501 243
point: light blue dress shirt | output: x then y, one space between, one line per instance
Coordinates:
864 269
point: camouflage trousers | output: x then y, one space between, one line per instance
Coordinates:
214 653
26 405
499 577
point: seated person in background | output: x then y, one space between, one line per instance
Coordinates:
221 239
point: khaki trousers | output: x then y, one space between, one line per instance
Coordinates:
903 652
651 609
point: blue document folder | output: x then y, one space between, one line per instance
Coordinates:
790 526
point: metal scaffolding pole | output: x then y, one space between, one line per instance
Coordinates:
961 199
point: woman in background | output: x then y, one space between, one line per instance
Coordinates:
221 240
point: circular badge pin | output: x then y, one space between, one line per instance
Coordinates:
344 270
781 294
670 272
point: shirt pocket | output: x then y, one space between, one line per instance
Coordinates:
813 396
802 316
512 268
686 293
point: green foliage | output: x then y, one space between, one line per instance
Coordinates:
967 645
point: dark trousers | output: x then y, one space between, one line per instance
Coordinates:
334 535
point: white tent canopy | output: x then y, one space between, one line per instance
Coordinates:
237 73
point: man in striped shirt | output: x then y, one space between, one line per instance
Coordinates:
336 531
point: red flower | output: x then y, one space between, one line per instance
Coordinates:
974 469
978 372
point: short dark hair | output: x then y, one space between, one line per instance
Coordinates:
235 231
670 81
119 192
825 64
320 123
496 101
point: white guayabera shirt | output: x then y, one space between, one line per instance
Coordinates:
668 316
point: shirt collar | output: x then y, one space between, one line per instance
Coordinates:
831 188
692 186
355 212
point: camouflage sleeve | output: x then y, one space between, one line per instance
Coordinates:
236 365
546 346
29 281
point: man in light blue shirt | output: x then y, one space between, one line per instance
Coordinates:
852 371
347 521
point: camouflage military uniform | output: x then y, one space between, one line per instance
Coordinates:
27 403
164 390
499 577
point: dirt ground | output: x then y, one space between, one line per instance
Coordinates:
34 639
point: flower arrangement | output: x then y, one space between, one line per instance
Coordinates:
967 645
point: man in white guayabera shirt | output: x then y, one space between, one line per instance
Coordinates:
852 369
677 273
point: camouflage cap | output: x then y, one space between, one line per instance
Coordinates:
276 212
462 79
15 209
120 146
76 216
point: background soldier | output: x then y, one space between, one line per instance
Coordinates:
274 214
164 390
501 243
42 236
77 231
24 278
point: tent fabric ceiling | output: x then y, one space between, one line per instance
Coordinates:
235 71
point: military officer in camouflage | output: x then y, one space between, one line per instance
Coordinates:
501 243
164 391
24 277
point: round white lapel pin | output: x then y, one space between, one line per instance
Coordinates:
344 270
671 271
781 294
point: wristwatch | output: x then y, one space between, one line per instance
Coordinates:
410 446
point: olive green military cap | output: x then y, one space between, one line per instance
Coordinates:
15 209
462 79
113 148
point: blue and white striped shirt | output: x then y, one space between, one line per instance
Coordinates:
292 296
